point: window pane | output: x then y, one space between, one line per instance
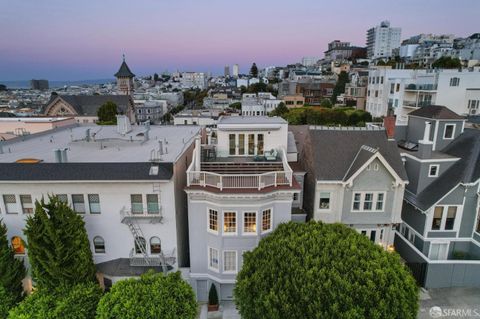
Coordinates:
356 201
99 245
241 144
155 245
213 220
213 260
78 203
140 245
230 261
137 204
367 203
229 222
451 214
62 198
27 205
94 203
379 205
251 144
448 131
250 222
324 200
437 217
266 220
153 207
260 144
10 204
231 138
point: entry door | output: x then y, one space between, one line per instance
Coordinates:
370 233
202 290
438 251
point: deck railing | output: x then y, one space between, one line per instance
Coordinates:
136 260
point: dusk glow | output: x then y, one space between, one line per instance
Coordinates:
66 40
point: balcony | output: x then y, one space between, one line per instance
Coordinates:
137 260
421 87
152 215
416 103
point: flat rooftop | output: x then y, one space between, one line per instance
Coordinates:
104 145
251 120
34 119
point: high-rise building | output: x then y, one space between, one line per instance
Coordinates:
226 71
235 71
39 84
381 40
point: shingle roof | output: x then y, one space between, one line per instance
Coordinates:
120 267
436 112
124 71
83 171
89 104
466 170
335 152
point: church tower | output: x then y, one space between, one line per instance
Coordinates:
125 79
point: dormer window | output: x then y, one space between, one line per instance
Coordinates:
449 131
433 170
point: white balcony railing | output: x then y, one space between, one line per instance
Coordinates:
156 260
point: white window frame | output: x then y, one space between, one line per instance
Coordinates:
430 170
374 202
12 208
208 221
438 243
26 206
236 262
244 232
90 204
271 221
104 246
453 132
223 223
329 201
456 223
84 203
209 250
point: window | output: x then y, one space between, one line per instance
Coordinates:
229 261
137 204
94 203
152 204
155 246
99 245
433 170
295 196
260 144
18 245
231 138
397 87
356 201
449 131
266 220
324 200
368 201
78 203
212 258
473 106
454 81
379 205
250 222
229 222
392 88
451 214
381 80
241 144
10 204
375 167
437 218
27 205
213 220
140 245
376 93
478 221
63 198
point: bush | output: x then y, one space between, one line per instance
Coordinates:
150 297
212 295
317 270
75 302
107 113
7 301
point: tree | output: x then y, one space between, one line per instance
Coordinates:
3 87
151 296
254 70
340 86
12 270
212 295
280 110
155 77
6 302
318 270
75 302
236 105
326 103
107 113
447 62
58 246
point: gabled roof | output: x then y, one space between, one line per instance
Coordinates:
466 170
89 104
436 112
124 71
339 153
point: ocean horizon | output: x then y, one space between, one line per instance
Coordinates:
25 84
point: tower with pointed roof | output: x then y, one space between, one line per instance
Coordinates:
125 79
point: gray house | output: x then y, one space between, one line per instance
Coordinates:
354 176
440 236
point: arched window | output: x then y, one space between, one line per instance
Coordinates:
18 246
140 245
155 245
99 245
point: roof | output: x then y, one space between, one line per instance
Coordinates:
89 104
466 170
436 112
124 71
339 153
251 120
120 267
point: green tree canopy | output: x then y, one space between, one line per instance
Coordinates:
155 77
12 270
150 297
325 103
254 70
107 113
339 86
447 62
58 246
6 302
317 270
280 110
73 302
236 105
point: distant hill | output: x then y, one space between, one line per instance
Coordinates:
25 84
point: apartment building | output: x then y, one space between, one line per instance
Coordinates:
356 90
192 80
260 104
240 187
440 235
381 40
355 176
126 182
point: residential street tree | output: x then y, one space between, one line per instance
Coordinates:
107 113
58 246
340 86
150 297
254 70
6 302
12 270
318 270
280 110
447 62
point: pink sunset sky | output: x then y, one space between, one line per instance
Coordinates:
76 40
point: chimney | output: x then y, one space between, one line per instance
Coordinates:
389 125
58 155
425 145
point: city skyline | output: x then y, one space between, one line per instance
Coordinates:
79 42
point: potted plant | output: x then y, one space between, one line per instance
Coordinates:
212 298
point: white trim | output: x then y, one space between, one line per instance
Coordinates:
256 224
374 201
211 277
430 170
453 132
208 259
236 262
223 223
438 160
456 223
435 135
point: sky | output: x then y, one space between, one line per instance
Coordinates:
83 40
